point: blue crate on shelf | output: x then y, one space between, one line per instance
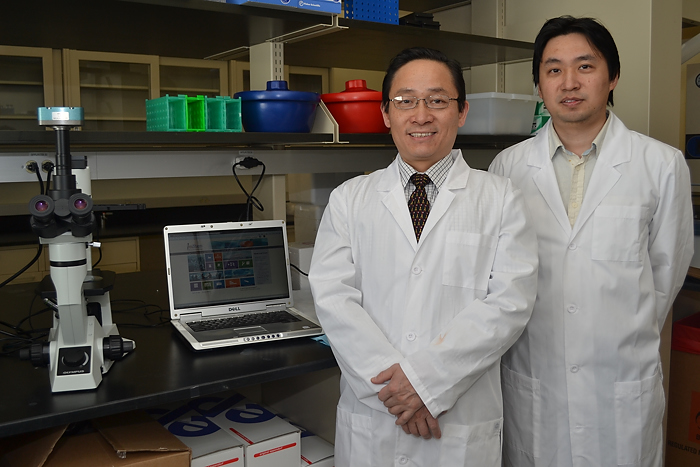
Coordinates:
379 11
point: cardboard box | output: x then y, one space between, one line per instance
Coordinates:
683 430
315 451
268 440
210 445
126 440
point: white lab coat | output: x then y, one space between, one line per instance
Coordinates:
445 308
583 384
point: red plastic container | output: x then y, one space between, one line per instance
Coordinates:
357 109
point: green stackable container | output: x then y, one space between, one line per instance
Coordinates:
200 113
223 114
167 113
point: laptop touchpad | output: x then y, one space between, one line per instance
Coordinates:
251 331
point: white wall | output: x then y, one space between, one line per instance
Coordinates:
691 10
648 96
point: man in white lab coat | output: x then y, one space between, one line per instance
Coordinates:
612 210
419 309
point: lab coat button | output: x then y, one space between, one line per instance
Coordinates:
572 246
403 460
572 309
574 369
416 270
411 336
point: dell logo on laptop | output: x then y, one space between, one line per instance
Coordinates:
234 308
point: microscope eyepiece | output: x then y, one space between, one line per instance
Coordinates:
80 204
41 207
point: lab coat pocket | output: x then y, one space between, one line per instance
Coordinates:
467 259
353 440
617 233
639 408
473 445
521 411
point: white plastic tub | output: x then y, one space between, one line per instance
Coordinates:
498 113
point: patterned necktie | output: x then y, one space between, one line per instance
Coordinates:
418 204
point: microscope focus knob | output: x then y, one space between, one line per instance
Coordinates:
74 357
114 347
38 354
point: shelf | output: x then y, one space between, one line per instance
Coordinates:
191 91
21 83
370 46
154 140
169 28
111 87
420 6
199 29
17 117
119 118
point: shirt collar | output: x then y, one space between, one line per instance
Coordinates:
555 143
437 172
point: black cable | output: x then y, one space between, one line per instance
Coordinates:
34 166
249 163
300 271
49 169
99 258
18 273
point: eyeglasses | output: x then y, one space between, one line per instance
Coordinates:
431 102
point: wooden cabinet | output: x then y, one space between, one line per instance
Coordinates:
111 88
26 82
193 77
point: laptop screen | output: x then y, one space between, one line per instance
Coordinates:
226 264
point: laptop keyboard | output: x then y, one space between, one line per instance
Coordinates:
252 319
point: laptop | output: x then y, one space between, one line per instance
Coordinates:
229 284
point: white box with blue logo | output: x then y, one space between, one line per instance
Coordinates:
324 6
315 451
210 445
265 3
268 440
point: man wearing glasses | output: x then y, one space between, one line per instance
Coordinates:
423 275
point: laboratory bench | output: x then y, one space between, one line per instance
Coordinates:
161 370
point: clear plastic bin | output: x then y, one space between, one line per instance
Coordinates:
497 113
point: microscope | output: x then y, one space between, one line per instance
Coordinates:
83 342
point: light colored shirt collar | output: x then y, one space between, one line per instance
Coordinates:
437 172
555 143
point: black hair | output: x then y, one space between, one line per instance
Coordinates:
597 35
423 53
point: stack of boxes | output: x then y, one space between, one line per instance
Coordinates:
235 431
323 6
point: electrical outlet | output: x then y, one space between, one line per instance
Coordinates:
240 159
29 166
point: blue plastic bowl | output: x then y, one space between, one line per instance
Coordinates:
278 110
